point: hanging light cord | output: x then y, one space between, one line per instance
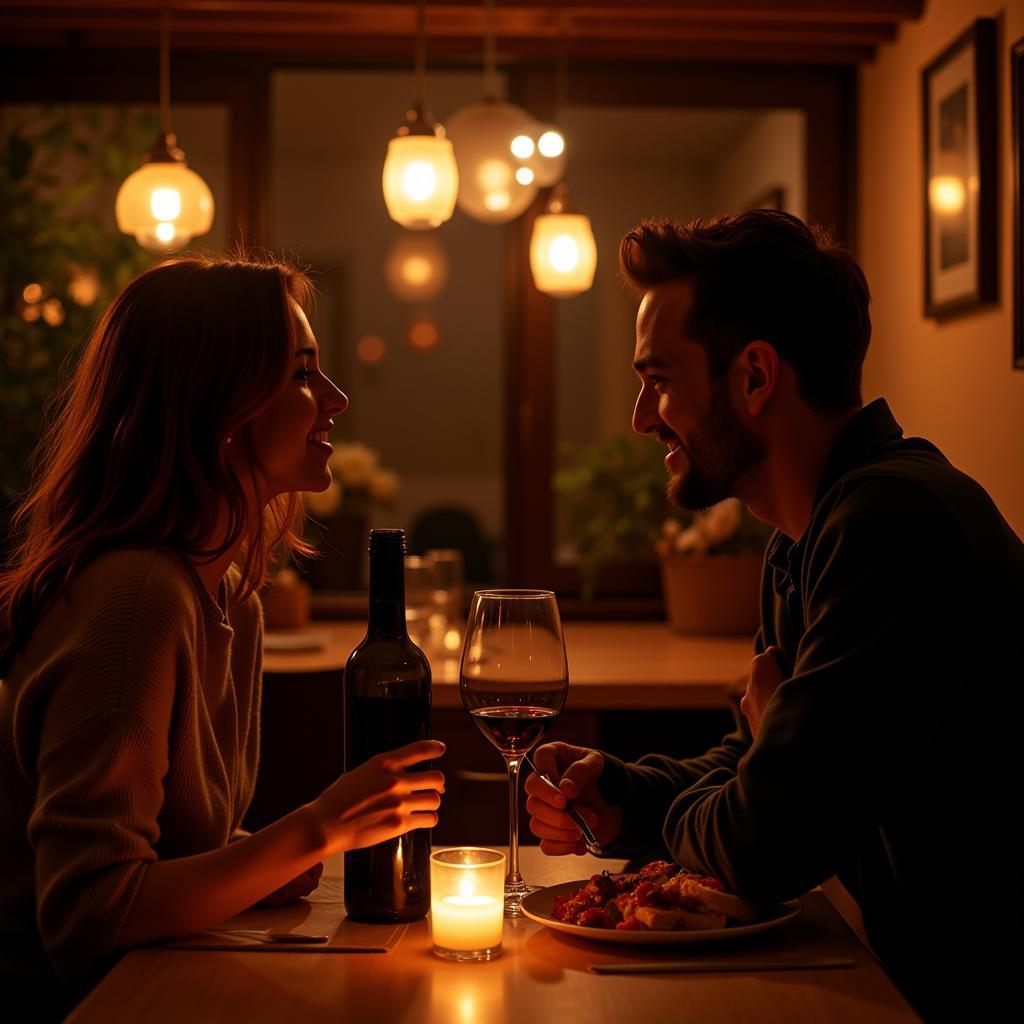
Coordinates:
165 71
562 71
490 57
421 49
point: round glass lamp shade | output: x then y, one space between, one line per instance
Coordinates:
164 205
483 133
420 181
416 268
563 254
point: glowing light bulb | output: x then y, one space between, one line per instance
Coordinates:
524 176
419 180
564 253
497 201
551 144
164 231
493 174
32 292
165 204
522 147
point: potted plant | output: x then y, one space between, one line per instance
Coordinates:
711 569
614 508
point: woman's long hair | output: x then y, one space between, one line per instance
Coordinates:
135 451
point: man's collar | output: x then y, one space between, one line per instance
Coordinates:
861 436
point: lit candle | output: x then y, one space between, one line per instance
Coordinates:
467 902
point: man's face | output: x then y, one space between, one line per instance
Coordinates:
711 451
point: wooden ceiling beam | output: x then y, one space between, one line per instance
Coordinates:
775 10
606 27
332 49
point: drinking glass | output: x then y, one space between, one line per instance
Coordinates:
514 680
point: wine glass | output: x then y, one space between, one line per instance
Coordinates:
514 680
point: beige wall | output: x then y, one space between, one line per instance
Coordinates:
950 380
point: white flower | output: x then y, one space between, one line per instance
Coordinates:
383 485
690 539
354 463
323 503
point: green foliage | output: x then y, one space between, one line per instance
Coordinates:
611 501
613 504
58 178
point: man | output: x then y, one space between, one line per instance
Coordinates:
879 732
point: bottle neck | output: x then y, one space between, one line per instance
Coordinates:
387 594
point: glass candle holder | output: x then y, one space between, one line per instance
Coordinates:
467 902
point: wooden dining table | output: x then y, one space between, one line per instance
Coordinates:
541 977
612 665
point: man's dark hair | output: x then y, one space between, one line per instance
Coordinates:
764 274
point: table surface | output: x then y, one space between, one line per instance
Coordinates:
541 976
612 665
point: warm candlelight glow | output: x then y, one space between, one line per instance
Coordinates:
467 905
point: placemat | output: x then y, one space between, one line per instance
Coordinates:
320 913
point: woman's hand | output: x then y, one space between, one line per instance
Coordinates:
301 885
380 799
576 771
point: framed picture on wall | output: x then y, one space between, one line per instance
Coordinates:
959 89
1017 105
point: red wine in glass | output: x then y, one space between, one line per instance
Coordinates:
514 680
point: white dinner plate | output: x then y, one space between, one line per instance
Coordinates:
294 641
539 906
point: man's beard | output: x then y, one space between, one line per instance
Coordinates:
720 452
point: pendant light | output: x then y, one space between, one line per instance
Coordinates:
544 152
563 253
420 177
495 184
164 204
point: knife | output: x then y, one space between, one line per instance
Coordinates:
593 846
700 966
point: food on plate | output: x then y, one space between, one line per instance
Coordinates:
659 897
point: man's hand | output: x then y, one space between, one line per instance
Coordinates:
765 678
299 886
576 771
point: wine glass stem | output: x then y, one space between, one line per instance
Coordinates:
513 877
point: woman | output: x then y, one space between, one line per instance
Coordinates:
130 630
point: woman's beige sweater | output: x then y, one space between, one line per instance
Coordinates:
129 732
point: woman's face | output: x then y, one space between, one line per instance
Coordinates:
290 436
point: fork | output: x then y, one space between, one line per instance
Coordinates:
269 935
593 846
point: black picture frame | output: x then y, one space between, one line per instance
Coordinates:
960 189
1017 108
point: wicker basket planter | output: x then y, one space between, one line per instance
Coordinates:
715 594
